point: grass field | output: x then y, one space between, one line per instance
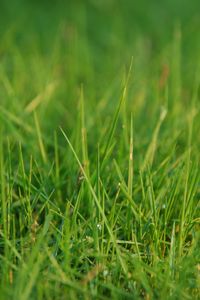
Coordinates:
99 149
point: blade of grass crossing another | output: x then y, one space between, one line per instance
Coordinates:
116 116
121 260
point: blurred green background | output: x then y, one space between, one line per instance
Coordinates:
50 48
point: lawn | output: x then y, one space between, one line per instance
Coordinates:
99 149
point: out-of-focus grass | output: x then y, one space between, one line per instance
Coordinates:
99 149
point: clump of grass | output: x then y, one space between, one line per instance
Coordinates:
99 152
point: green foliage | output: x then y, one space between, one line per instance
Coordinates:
99 150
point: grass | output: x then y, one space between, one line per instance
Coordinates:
99 150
